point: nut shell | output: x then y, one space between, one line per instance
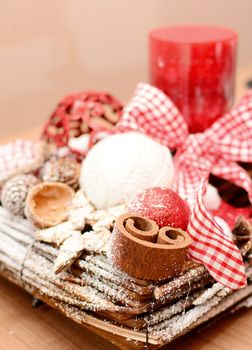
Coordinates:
48 203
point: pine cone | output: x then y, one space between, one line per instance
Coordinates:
65 170
15 191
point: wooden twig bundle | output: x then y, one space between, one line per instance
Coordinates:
132 313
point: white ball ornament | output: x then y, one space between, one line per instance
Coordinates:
121 165
212 199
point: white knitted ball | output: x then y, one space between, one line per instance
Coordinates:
121 165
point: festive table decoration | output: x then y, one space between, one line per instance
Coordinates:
160 253
84 114
122 165
76 258
195 67
48 203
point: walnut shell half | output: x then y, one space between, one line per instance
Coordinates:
48 203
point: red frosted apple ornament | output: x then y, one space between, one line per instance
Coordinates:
162 205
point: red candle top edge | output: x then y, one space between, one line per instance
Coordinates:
193 34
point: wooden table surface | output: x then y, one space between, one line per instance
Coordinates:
23 327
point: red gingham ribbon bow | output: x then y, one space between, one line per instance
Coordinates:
216 150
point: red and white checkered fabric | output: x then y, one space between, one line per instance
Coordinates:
19 157
216 151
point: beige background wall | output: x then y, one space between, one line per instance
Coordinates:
49 48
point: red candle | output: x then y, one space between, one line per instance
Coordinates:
195 66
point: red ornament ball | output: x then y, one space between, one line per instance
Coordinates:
230 214
162 205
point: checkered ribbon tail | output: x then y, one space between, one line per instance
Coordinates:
216 151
